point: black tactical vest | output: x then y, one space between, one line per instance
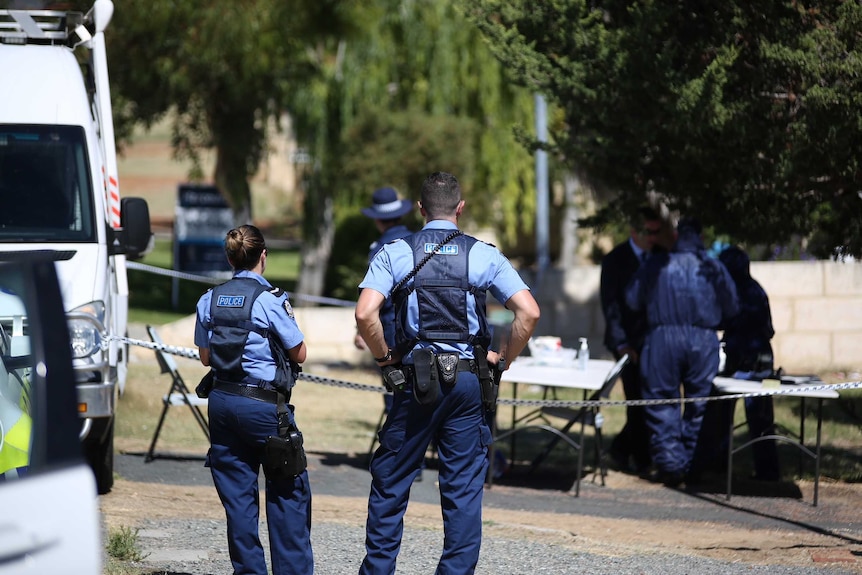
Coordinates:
230 309
441 287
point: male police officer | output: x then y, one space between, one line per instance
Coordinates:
438 278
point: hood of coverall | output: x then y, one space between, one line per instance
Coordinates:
737 263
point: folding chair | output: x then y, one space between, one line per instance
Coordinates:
178 394
585 415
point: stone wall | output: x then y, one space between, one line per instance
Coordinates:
816 309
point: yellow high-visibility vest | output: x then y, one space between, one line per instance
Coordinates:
16 433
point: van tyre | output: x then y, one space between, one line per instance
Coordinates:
99 451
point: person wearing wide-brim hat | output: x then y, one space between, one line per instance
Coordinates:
386 207
386 210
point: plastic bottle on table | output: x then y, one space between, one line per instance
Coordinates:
583 353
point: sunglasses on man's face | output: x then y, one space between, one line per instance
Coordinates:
650 232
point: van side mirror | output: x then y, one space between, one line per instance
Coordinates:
135 237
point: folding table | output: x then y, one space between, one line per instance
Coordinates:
598 378
789 386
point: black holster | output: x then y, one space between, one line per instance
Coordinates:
204 388
284 455
486 381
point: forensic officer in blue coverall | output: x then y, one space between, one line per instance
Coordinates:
438 278
686 295
238 322
386 210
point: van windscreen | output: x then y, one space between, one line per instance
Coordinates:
46 193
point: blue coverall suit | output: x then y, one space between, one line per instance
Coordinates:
686 296
387 312
457 421
239 427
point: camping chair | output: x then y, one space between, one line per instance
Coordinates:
178 394
585 415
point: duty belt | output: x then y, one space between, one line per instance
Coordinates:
463 365
250 391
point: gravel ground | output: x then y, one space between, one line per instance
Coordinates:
195 546
176 550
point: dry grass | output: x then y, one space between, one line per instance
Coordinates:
342 420
332 419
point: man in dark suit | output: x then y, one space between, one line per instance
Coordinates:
624 333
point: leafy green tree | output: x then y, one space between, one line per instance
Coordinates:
746 114
382 115
225 68
394 149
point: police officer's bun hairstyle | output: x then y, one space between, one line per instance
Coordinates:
441 194
243 246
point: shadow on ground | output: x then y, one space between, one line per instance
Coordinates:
557 477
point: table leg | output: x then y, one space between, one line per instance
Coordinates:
492 423
514 420
817 451
801 431
730 428
580 454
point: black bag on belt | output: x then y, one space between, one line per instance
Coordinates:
426 378
284 454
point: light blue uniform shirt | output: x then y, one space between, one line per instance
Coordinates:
488 270
268 312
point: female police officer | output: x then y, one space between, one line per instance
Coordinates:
238 324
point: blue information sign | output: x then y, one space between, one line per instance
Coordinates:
202 220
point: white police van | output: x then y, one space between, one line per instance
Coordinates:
59 196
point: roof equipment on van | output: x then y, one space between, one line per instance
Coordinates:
42 27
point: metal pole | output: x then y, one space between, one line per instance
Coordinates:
542 259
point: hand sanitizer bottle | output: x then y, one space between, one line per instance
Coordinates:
583 354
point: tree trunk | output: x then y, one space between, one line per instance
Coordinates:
232 181
569 227
316 249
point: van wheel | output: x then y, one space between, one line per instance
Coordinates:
99 451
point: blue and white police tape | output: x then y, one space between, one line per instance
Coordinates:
799 390
192 353
212 280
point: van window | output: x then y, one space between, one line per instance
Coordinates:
45 189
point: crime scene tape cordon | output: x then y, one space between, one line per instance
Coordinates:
192 353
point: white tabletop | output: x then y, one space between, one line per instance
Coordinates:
550 373
728 385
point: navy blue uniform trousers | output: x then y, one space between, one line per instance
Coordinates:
675 355
239 427
458 423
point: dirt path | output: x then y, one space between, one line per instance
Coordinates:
131 502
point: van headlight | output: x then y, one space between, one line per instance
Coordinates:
85 329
